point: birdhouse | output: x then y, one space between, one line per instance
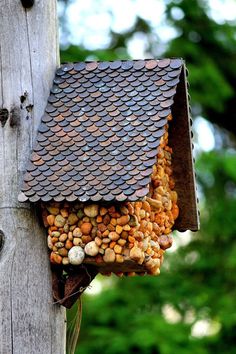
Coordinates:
112 166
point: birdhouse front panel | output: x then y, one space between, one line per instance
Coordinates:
103 166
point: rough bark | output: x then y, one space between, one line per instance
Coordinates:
29 322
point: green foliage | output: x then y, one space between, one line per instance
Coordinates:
80 54
208 47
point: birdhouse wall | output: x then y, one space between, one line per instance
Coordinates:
117 237
180 139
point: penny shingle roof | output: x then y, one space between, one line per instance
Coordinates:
99 135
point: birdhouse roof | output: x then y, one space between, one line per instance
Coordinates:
102 125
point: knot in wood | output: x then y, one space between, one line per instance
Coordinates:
1 240
4 114
14 117
27 3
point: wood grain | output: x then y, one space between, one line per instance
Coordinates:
29 322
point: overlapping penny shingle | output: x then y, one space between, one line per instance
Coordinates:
99 135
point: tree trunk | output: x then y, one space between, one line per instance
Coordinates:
29 322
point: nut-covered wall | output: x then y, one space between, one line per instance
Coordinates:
128 237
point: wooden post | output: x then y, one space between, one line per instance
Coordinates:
29 322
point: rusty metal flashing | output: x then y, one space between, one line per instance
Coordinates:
101 129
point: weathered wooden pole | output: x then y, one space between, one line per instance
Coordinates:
29 322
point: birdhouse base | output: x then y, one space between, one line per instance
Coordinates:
127 266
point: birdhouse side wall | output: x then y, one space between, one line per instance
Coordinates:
117 237
180 139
